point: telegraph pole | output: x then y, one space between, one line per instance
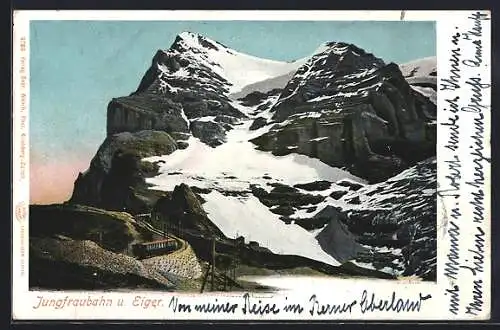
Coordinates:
213 264
232 273
225 279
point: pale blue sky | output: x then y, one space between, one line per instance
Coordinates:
78 66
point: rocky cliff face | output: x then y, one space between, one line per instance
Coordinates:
349 109
192 79
180 84
139 112
115 179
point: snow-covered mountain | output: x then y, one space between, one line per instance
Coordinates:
424 67
312 158
196 59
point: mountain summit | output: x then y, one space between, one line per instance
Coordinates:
206 61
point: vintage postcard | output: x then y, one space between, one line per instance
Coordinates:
251 165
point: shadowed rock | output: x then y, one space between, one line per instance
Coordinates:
339 242
209 132
115 179
314 186
258 123
184 210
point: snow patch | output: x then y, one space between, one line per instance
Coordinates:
320 138
320 98
238 158
205 119
428 92
253 220
183 115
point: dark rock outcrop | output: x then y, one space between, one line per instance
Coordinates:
115 179
285 200
349 184
283 210
339 242
314 186
337 194
259 122
183 210
285 196
225 119
182 145
209 132
255 98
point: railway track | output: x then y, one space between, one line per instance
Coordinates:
140 220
